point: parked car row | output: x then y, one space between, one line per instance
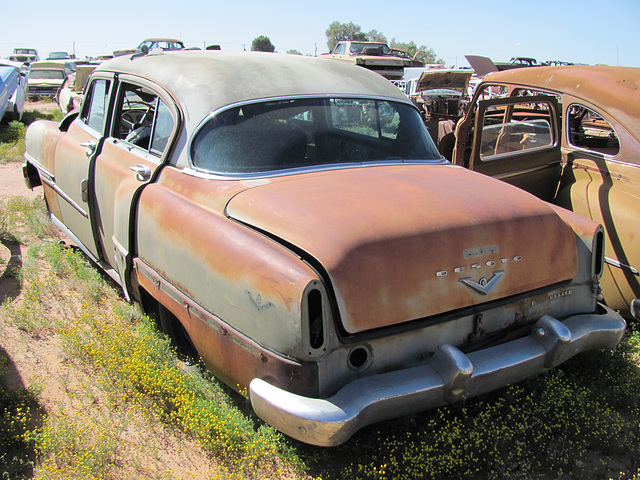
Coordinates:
304 235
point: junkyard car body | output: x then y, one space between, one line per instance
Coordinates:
24 55
13 88
46 78
376 56
163 43
304 233
59 56
71 93
442 96
582 154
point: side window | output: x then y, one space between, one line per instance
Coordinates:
95 106
516 128
589 130
142 118
372 118
339 49
163 126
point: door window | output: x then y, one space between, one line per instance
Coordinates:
516 128
143 119
95 107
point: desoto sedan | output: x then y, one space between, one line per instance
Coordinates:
291 219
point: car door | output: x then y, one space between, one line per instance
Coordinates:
74 156
601 183
517 140
144 120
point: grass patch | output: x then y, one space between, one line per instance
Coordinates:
12 145
65 297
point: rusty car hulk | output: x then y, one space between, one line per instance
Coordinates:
570 135
305 236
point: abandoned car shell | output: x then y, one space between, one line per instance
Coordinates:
593 165
304 233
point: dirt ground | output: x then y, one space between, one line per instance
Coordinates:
146 449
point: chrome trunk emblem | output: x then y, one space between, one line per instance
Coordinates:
484 286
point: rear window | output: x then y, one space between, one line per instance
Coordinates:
590 131
298 133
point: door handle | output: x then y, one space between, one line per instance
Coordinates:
90 146
143 172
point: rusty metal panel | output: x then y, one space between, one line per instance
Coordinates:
233 357
238 274
396 242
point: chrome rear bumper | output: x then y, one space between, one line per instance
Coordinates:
449 375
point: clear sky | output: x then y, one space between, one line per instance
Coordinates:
579 31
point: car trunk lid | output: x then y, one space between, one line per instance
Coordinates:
400 243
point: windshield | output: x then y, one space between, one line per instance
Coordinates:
262 137
52 74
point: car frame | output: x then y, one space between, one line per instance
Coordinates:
304 235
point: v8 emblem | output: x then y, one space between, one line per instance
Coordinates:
483 286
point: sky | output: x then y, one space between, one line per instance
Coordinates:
578 31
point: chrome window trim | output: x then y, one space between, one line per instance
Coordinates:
205 174
583 149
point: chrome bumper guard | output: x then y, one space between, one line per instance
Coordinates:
449 375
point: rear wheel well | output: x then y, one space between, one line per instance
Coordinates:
168 324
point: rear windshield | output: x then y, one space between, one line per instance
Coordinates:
269 136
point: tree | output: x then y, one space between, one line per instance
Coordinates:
375 36
424 54
262 44
343 31
293 51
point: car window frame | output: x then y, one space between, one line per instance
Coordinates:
317 167
161 94
85 109
588 150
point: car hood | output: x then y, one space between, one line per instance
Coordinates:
448 80
399 243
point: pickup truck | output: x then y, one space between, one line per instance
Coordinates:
376 56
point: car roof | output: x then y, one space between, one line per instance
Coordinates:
616 90
204 81
162 39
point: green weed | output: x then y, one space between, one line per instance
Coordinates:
16 438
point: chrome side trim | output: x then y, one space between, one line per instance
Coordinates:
49 179
450 374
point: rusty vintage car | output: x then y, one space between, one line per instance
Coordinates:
571 135
305 236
